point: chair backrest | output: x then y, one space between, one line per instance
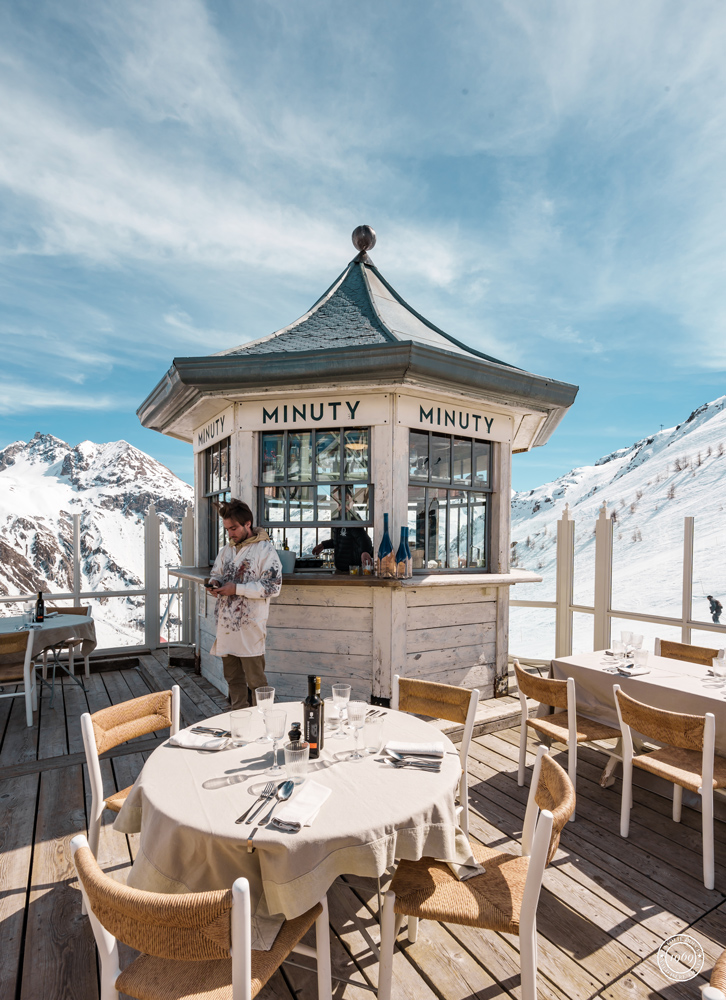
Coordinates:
191 927
545 690
683 651
15 654
439 701
551 790
137 717
684 731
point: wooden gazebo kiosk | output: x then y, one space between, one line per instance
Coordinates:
359 408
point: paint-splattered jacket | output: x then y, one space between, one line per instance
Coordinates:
254 567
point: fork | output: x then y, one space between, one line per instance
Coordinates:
265 795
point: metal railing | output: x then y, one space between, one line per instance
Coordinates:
601 609
152 591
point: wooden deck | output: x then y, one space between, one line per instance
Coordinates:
606 907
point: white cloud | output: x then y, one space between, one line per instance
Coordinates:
19 397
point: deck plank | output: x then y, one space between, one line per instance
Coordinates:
18 799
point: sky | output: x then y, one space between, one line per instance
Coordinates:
546 181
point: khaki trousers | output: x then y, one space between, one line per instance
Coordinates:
242 672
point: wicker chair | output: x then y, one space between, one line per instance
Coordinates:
70 644
504 898
716 989
565 726
17 667
191 944
687 761
442 701
682 651
114 725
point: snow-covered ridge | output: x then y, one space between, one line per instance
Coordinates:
43 482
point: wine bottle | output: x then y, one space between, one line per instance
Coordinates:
409 557
314 710
401 566
40 607
386 556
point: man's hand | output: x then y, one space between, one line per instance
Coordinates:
226 590
366 559
318 549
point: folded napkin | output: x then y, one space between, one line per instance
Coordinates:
197 741
417 749
633 671
302 808
467 871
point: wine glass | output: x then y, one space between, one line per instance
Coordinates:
357 711
275 719
265 697
341 697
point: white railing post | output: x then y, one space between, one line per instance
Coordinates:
687 601
77 559
603 578
151 578
564 583
187 559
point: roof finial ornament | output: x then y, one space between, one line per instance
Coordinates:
363 239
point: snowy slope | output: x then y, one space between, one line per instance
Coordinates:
44 482
649 487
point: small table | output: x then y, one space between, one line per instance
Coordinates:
52 631
374 816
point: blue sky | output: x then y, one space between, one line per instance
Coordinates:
546 180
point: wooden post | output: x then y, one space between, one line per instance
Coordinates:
564 583
151 578
77 559
187 558
603 578
687 598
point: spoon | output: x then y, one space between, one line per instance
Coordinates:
284 791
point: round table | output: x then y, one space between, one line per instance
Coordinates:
185 803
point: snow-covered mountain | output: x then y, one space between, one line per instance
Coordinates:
44 482
649 487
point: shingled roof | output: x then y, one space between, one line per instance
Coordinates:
359 309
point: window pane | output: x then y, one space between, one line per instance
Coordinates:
224 465
478 521
418 456
458 529
356 454
300 456
417 524
482 452
215 468
462 460
436 527
327 452
356 503
273 458
302 503
309 540
208 477
274 503
440 458
328 503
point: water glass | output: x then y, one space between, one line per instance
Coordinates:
636 641
297 756
618 649
265 697
626 638
357 711
240 726
373 735
640 657
341 697
275 719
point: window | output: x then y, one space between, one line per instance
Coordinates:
216 489
313 481
448 501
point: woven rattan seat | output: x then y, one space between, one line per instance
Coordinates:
716 989
684 651
504 898
17 666
681 767
115 801
557 727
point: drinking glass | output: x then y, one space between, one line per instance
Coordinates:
640 657
275 719
373 735
240 726
618 650
718 669
356 720
626 638
296 761
265 697
341 697
636 641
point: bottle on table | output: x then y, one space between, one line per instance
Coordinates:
404 562
386 555
40 607
295 734
314 709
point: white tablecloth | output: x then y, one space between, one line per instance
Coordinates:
56 629
671 684
374 816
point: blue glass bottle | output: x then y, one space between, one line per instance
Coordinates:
409 557
386 557
403 557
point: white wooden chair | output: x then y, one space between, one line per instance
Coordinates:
504 898
685 651
70 644
192 944
565 726
687 760
17 667
114 725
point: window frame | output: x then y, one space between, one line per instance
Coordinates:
450 486
215 532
